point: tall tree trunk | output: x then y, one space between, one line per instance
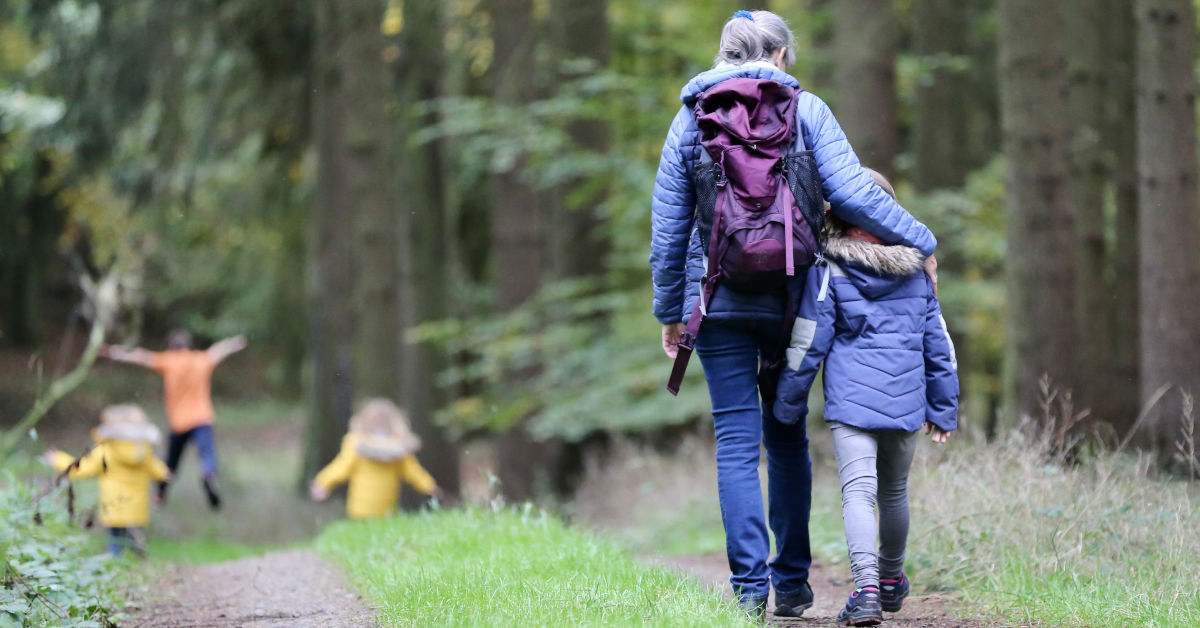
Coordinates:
1087 44
367 84
1168 205
425 230
940 131
579 241
330 313
1122 136
865 79
517 243
1041 316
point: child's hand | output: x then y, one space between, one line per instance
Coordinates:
438 494
318 493
931 268
49 455
938 435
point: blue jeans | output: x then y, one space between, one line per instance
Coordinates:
206 447
120 539
729 353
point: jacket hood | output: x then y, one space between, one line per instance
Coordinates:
754 70
384 448
872 268
126 452
132 432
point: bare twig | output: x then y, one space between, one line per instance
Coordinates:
1144 414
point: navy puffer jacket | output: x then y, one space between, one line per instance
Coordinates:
676 257
869 313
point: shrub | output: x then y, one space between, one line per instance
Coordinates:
53 572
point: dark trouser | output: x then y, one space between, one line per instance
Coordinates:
206 446
121 539
729 353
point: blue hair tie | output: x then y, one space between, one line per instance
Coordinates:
746 14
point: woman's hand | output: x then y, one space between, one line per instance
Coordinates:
938 435
670 338
931 270
318 493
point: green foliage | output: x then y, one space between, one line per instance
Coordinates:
503 568
53 573
970 226
601 366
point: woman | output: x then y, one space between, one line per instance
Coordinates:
756 45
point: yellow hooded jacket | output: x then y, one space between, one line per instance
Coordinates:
126 469
374 484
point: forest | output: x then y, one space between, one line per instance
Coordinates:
447 203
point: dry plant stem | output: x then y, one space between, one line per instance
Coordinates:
59 388
1186 445
38 595
1154 399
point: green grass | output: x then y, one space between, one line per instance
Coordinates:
485 568
997 530
200 551
1103 543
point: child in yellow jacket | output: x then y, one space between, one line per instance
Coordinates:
123 458
377 453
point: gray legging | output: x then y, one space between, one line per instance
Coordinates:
870 464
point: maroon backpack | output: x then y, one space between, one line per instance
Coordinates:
755 234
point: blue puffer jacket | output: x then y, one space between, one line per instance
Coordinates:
676 257
870 314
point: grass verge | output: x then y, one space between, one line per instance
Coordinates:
999 529
483 568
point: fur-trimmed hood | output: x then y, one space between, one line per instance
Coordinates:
386 448
134 433
882 259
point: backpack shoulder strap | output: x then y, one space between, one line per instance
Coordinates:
798 127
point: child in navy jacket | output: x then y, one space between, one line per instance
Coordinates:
869 312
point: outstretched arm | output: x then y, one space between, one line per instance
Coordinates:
850 190
136 356
335 473
222 349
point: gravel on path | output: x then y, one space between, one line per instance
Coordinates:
294 588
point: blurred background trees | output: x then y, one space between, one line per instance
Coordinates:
446 202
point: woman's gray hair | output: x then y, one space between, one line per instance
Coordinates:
744 39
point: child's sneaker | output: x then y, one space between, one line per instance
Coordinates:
753 607
795 604
892 592
210 490
862 609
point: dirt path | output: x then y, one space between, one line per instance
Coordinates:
293 588
830 586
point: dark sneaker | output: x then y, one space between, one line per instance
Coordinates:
892 592
755 607
795 604
862 609
210 489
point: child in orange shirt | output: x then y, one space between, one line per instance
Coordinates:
377 453
187 382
